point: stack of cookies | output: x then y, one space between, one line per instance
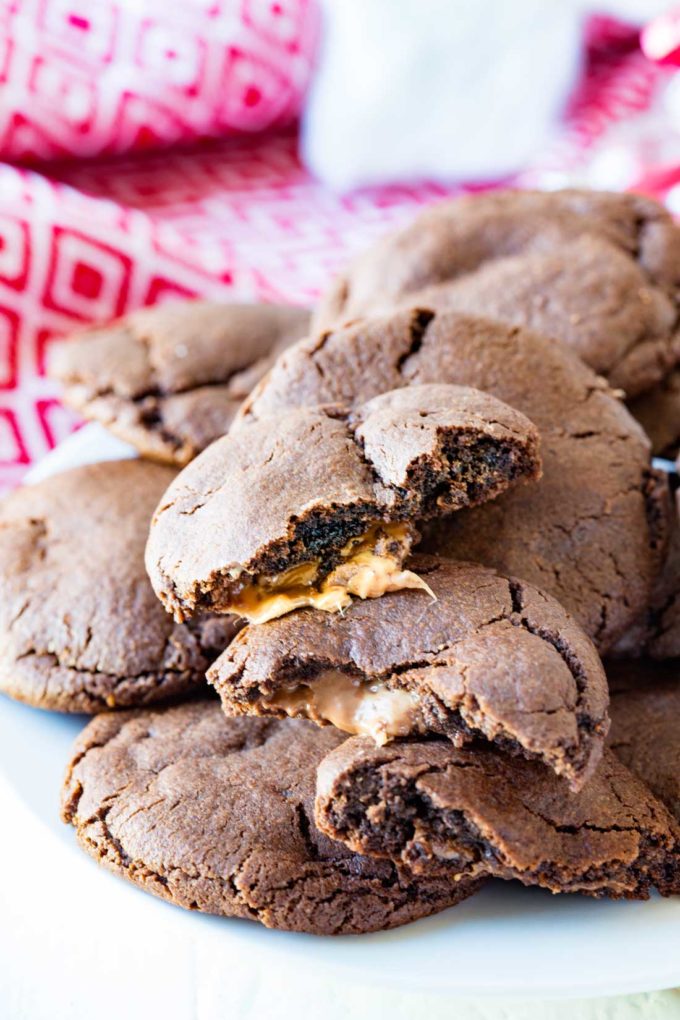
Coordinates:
418 549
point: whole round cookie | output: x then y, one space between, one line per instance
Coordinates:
442 811
320 505
81 627
217 815
598 270
645 733
591 531
487 659
169 379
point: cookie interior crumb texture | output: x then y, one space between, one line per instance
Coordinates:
442 811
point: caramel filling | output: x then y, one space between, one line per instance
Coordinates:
370 566
354 706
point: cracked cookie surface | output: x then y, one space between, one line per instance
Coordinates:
169 379
656 634
663 620
599 270
443 811
591 531
490 660
81 627
645 733
318 505
216 815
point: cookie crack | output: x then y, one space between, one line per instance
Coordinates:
573 829
570 660
417 328
305 827
94 671
98 690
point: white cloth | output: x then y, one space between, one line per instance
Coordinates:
443 89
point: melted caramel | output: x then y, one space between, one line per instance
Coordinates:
368 569
353 706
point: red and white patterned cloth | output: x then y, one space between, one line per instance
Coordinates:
238 218
96 77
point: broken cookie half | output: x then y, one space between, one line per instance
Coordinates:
322 504
442 811
490 659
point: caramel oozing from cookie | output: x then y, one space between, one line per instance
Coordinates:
354 706
370 565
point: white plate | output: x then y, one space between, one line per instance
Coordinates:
505 941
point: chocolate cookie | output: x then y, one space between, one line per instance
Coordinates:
658 411
645 732
216 814
663 619
491 658
318 505
81 627
656 634
442 811
591 532
598 270
169 379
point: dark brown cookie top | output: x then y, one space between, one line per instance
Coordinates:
443 811
217 815
491 659
598 270
81 627
645 733
317 505
169 379
590 532
663 618
658 411
656 633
